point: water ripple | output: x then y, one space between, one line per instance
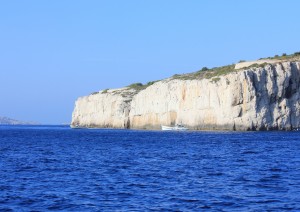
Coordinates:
56 168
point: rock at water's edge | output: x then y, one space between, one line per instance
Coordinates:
265 98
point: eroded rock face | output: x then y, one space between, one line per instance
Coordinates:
104 109
254 99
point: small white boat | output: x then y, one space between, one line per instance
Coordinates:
177 127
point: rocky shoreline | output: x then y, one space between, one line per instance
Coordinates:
262 97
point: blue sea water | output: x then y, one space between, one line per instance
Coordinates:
56 168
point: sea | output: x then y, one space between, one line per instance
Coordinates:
55 168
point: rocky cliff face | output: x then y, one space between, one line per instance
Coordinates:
108 109
265 98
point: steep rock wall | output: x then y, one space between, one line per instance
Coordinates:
254 99
103 109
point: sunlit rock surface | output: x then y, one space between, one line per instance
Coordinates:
266 98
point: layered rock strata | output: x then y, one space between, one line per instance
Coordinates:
265 98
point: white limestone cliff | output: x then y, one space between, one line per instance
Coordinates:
103 109
266 98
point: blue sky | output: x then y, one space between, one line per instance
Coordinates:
55 51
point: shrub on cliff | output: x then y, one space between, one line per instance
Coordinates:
104 91
139 86
218 71
151 83
204 69
136 86
297 53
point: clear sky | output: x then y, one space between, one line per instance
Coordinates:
52 52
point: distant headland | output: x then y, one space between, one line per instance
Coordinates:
10 121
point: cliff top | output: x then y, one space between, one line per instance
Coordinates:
269 60
214 73
207 73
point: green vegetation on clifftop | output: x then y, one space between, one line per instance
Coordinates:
139 86
214 73
206 73
284 56
210 73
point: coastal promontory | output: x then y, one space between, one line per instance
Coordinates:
9 121
255 95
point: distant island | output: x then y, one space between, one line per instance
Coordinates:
10 121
